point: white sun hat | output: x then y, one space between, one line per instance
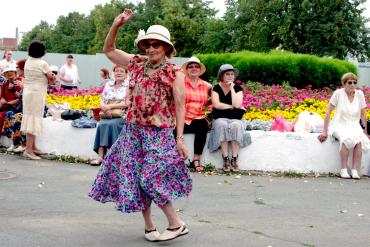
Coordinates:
157 32
193 59
9 68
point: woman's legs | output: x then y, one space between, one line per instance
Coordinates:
344 152
173 219
225 149
235 148
101 152
30 143
357 155
147 215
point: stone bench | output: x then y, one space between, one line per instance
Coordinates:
270 151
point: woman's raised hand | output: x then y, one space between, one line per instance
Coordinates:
124 17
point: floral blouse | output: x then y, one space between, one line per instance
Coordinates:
111 93
152 100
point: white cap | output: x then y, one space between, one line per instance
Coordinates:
54 68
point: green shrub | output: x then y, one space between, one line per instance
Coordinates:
276 67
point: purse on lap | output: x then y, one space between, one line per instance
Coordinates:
116 112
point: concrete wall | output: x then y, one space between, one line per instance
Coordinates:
88 65
270 151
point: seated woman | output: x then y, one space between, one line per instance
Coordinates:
197 98
227 127
350 108
11 116
112 104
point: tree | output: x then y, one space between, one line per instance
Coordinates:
40 32
325 28
187 21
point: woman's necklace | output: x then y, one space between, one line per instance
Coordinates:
149 65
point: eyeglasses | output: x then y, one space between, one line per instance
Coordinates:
194 66
155 45
352 82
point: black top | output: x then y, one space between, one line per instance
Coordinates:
226 99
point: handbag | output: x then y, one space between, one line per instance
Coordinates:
70 115
116 112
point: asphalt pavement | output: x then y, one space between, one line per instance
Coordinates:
45 203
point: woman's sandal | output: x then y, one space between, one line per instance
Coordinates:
152 235
96 162
226 165
234 164
198 167
170 234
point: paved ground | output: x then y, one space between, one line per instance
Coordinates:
46 205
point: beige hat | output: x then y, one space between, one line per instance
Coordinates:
184 67
157 32
9 68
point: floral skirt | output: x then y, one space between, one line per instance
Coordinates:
142 166
12 127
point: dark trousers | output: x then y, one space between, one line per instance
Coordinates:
67 87
199 127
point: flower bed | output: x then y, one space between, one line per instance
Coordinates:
265 102
261 102
78 99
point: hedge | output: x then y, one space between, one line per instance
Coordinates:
276 67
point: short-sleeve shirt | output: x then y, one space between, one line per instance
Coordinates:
35 71
110 92
196 99
226 99
346 110
152 100
71 73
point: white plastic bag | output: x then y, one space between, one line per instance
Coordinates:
309 122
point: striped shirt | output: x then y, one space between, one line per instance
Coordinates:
196 99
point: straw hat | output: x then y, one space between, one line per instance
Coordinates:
184 67
224 68
157 32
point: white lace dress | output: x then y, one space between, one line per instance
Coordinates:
345 125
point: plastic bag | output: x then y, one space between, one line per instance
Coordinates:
310 122
281 124
84 122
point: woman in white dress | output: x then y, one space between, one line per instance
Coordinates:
350 108
36 73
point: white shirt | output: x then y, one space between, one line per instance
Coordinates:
70 73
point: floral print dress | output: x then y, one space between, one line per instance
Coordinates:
143 165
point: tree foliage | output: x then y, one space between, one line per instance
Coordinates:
334 28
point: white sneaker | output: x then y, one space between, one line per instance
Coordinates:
10 149
355 174
344 173
19 149
152 236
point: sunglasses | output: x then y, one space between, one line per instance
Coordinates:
155 45
352 82
194 67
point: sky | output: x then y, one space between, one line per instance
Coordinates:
27 14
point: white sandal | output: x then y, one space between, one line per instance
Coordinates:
170 234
